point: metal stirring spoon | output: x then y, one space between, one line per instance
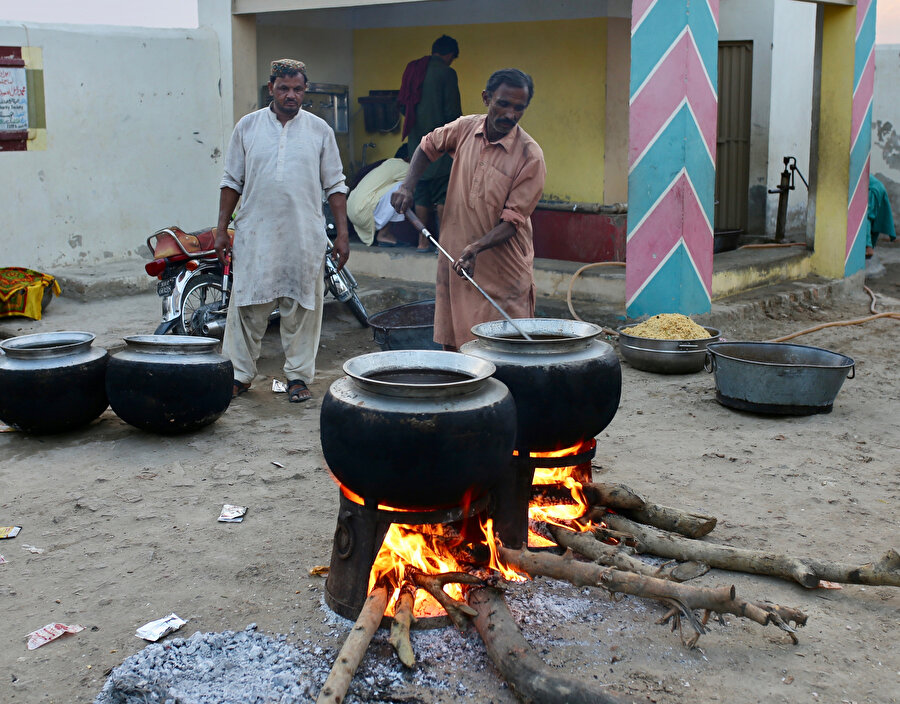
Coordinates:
419 225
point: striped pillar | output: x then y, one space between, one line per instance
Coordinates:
672 147
860 137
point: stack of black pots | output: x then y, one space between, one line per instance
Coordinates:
55 382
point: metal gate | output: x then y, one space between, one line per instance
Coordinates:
733 138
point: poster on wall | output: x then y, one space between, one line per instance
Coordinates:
13 99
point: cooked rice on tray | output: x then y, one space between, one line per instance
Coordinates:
668 326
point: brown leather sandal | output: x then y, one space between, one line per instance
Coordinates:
298 391
239 388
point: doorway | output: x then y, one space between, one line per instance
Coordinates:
733 137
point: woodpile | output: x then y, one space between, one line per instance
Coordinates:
602 550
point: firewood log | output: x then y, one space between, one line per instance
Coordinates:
616 556
528 676
682 597
458 611
808 572
354 648
629 503
403 619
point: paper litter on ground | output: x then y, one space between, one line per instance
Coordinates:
155 630
232 514
279 387
9 531
51 631
33 549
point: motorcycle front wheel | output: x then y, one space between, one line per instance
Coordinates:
202 291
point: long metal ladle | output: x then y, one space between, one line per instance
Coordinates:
420 226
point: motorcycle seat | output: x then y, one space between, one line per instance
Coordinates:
174 243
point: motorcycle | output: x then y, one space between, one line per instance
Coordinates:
194 285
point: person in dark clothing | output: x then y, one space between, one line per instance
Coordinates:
429 98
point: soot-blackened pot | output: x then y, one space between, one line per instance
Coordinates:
52 382
169 383
566 383
417 429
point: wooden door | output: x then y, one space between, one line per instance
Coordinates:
733 138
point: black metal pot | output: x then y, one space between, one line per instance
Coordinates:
566 383
52 382
169 383
406 327
416 429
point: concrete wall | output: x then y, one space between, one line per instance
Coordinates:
546 39
134 125
793 56
566 58
886 122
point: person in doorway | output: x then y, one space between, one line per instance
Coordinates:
281 161
496 181
429 98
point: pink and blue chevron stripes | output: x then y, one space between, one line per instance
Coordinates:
860 136
671 180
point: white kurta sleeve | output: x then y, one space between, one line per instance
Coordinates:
331 171
235 161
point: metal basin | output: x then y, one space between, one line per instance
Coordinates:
406 327
776 377
666 356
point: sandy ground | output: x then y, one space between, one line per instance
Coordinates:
127 524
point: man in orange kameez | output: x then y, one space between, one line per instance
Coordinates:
495 183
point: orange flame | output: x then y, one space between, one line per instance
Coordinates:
429 549
563 514
497 562
423 548
434 549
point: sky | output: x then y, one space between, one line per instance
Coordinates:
183 13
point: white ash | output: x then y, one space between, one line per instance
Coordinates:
441 655
217 668
247 667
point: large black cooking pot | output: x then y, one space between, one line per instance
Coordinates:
51 382
169 383
566 383
417 429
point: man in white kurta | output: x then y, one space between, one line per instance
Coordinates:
280 162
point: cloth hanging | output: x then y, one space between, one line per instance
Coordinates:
22 291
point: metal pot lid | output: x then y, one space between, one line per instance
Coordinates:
171 344
550 334
418 372
47 344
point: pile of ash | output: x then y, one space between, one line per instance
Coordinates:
230 667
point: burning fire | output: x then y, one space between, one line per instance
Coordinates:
567 513
432 549
438 548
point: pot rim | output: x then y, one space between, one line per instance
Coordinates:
848 362
167 344
501 334
35 345
478 370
